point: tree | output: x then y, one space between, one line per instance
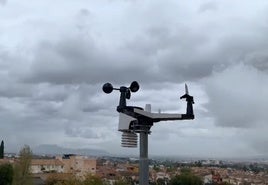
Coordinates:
6 174
22 167
198 163
186 178
121 182
2 150
89 180
161 182
92 180
54 179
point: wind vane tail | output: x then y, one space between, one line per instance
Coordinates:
186 95
190 102
186 89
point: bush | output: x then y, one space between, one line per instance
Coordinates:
186 178
6 174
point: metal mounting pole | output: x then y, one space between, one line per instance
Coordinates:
144 164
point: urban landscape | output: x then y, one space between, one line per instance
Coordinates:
108 170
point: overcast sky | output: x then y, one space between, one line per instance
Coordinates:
56 55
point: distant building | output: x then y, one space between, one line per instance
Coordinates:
78 165
216 178
46 166
66 164
162 175
207 179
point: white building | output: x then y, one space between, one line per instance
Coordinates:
46 166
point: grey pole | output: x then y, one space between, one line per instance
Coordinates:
144 164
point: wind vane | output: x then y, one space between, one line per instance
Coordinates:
135 120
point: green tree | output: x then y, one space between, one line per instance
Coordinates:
6 174
198 163
22 167
92 180
56 180
186 178
2 150
89 180
121 182
161 182
186 170
156 168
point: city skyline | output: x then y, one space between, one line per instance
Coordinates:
56 55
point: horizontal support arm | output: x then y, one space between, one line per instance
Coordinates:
156 117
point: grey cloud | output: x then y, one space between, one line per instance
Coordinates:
48 92
44 108
51 89
22 124
84 12
158 53
14 89
92 108
171 53
258 59
83 19
3 2
236 96
77 61
209 6
192 53
73 129
256 138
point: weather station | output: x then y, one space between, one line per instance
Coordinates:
136 120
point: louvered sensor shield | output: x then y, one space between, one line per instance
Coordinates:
129 139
